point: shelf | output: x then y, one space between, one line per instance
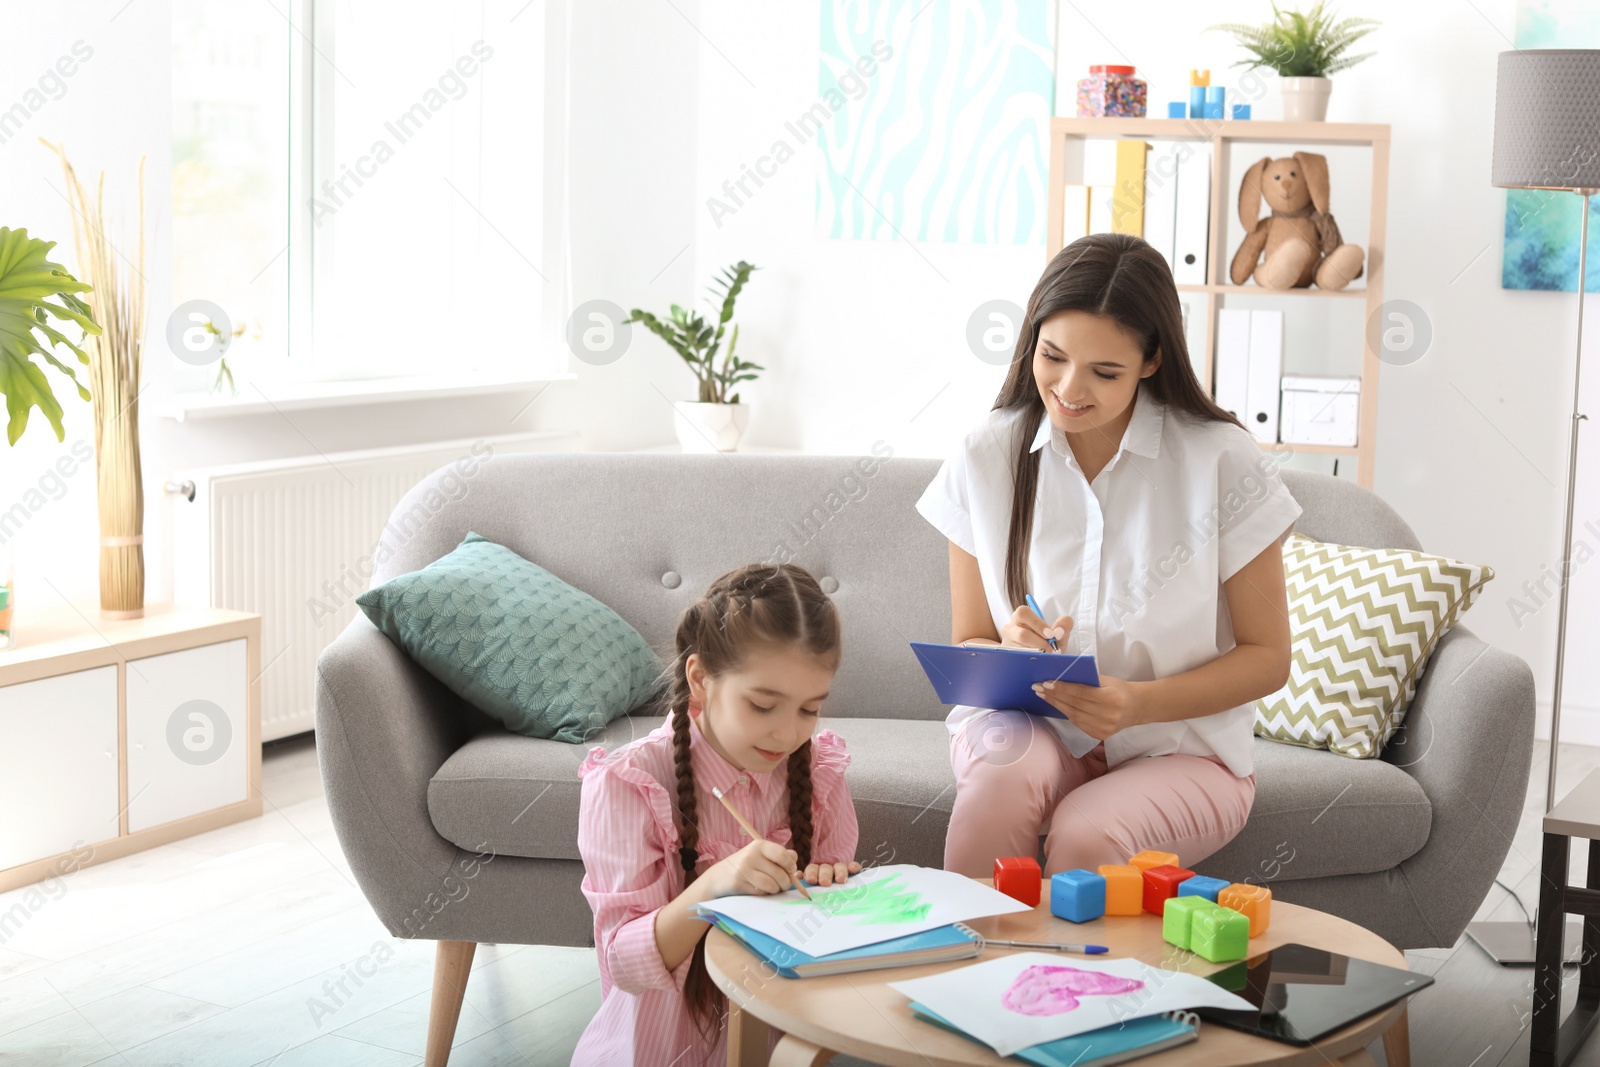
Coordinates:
303 396
1244 130
1257 290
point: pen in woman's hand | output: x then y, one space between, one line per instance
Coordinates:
1034 604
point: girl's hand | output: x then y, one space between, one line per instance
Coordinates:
1098 711
760 868
1026 628
829 873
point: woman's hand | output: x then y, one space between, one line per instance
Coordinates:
829 873
1098 711
760 868
1026 628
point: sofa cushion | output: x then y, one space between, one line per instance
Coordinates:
523 646
1315 814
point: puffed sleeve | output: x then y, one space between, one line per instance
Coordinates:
836 831
1254 507
628 843
945 502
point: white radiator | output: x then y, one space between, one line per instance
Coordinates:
292 540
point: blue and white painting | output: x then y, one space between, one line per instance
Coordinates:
1542 225
947 137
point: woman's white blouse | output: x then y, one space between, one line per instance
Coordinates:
1137 558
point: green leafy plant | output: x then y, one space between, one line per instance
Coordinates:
1300 45
28 284
698 341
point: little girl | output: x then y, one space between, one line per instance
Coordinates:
755 658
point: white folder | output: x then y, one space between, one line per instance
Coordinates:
1161 197
1233 361
1262 393
1193 213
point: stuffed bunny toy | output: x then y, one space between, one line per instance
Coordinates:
1299 242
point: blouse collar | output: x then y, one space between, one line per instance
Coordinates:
1142 437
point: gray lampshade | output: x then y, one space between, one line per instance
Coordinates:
1547 119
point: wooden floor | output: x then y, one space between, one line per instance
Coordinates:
229 949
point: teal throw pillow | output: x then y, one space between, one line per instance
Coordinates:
544 658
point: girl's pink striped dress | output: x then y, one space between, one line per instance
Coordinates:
628 838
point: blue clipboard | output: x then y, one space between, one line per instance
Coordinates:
1000 678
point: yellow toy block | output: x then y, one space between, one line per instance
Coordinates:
1149 858
1200 77
1124 889
1252 901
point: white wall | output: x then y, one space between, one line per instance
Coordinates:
865 340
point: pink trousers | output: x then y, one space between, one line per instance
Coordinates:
1006 797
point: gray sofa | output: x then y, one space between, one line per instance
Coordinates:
461 832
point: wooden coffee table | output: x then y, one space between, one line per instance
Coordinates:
859 1015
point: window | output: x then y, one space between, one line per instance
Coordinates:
367 182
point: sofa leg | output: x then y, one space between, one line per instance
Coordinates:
451 966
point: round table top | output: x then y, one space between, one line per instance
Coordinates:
859 1015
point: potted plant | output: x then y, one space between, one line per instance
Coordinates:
716 421
1304 48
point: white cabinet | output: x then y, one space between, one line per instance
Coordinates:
58 764
186 733
122 734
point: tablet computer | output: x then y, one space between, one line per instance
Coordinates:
993 676
1302 994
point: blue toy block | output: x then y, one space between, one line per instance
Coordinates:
1177 109
1201 886
1213 111
1197 100
1241 111
1214 94
1078 896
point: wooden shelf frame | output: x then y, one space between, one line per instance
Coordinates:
1221 134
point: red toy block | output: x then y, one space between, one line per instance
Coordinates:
1161 883
1018 877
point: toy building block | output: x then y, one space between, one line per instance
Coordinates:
1150 858
1077 896
1160 883
1177 914
1213 111
1254 902
1018 877
1201 886
1219 934
1215 94
1200 77
1241 111
1124 889
1197 101
1177 109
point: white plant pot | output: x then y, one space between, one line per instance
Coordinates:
1305 99
709 427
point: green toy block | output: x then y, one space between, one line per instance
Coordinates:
1219 934
1177 918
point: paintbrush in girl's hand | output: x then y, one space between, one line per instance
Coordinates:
794 876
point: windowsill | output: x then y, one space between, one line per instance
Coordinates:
253 400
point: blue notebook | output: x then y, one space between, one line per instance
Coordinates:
1144 1036
991 676
939 945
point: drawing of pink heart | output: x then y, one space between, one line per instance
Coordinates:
1055 990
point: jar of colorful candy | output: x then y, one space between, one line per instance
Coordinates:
1111 92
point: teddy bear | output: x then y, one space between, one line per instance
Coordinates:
1299 242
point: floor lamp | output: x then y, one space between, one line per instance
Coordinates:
1547 136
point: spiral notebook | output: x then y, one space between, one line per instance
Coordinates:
1126 1041
939 945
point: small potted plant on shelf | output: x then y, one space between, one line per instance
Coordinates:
1304 48
716 421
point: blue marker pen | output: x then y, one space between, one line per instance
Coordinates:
1034 604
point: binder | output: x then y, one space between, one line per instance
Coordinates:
1266 374
1100 175
1161 197
992 676
1127 212
1191 227
1233 362
1075 220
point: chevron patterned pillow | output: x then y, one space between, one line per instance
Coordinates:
1363 622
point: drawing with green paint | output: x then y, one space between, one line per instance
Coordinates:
877 902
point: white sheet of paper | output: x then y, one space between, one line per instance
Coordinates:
875 905
1027 998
